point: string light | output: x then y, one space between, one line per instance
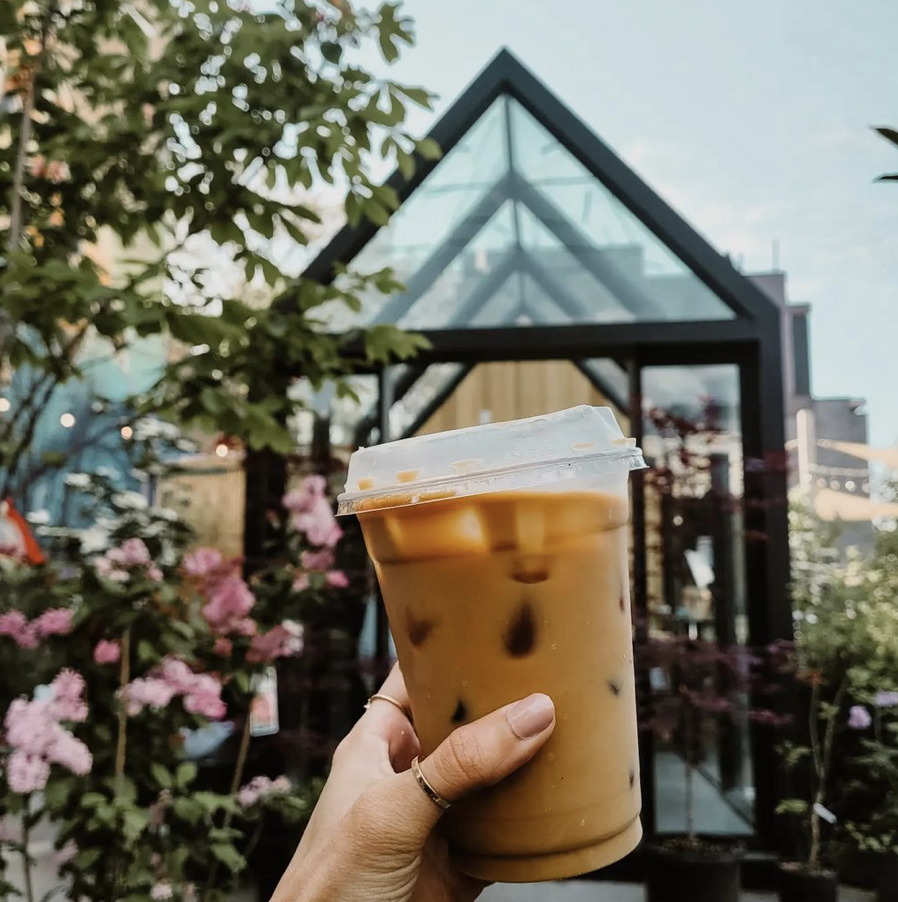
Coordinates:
67 420
127 432
4 405
221 449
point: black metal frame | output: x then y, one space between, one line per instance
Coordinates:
750 340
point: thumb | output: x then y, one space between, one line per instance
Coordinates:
473 756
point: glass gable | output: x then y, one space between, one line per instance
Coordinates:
510 229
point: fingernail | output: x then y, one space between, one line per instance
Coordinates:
531 715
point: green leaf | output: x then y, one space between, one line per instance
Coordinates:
87 858
162 775
188 810
378 214
795 807
406 162
429 149
228 856
54 458
92 799
185 774
420 96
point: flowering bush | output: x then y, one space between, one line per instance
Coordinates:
141 645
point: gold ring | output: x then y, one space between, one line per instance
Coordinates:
393 701
429 791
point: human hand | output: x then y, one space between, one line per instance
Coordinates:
371 837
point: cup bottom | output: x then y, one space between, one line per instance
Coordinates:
552 866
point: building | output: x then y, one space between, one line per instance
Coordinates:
837 483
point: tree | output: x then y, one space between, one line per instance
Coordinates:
150 126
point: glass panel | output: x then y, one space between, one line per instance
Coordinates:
696 591
510 198
575 201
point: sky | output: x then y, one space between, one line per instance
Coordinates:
752 119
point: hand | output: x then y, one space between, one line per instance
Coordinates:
371 837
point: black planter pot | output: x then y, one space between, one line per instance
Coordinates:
799 885
887 886
707 872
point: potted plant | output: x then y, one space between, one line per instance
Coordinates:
874 791
698 686
808 879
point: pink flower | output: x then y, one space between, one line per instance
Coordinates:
318 560
318 523
229 602
276 643
15 625
28 638
66 703
154 573
107 652
133 553
54 622
37 165
250 794
300 582
202 563
26 773
161 891
65 854
12 623
70 752
206 704
147 692
302 499
338 579
223 646
108 570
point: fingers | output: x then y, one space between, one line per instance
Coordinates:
387 721
473 756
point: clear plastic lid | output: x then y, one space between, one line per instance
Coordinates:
497 457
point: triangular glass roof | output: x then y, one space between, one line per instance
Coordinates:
511 229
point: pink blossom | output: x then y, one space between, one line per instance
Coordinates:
70 752
26 773
57 171
154 573
37 165
223 646
148 692
338 579
15 625
67 703
28 638
12 623
177 674
133 553
302 499
230 600
54 622
161 891
203 562
205 704
300 582
859 717
65 854
107 652
276 643
318 523
108 570
262 786
318 560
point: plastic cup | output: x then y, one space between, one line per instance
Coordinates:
501 553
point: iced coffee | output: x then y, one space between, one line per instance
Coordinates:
522 587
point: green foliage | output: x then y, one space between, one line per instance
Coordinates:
187 137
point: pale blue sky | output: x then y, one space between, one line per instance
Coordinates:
752 119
